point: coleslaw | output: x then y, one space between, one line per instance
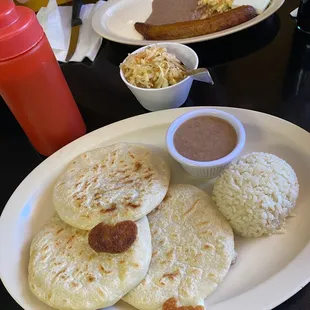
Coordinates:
154 67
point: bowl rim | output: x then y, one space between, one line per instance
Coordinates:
160 44
241 137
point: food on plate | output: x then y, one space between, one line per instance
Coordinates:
110 185
99 247
205 138
198 27
65 273
113 239
193 248
257 194
171 11
153 67
211 7
207 135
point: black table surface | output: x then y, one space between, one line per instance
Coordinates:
264 68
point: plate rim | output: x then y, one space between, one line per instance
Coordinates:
273 7
299 277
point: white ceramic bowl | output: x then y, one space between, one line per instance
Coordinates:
206 169
169 97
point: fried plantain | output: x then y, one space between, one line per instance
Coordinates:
198 27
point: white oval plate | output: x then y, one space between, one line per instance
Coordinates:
268 270
115 19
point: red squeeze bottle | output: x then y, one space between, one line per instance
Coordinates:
32 83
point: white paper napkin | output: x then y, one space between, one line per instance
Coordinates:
56 23
294 13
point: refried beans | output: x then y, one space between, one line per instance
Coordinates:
205 138
172 11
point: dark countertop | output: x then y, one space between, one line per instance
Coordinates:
264 68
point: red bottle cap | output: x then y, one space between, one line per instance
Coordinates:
19 29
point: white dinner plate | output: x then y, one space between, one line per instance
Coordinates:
268 270
115 19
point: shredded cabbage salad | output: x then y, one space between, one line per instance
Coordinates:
154 67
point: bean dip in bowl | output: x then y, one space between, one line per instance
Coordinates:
205 141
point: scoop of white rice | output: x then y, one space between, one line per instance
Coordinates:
256 194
